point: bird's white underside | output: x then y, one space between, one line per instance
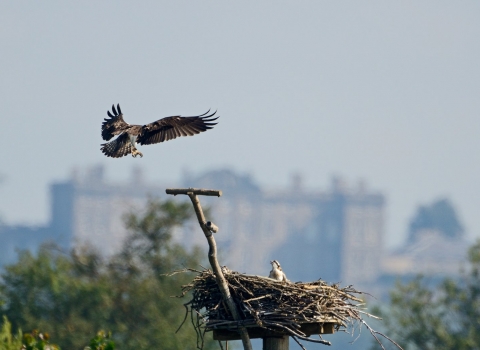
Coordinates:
133 139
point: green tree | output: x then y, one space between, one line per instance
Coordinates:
37 341
41 341
443 317
73 295
9 341
101 342
48 292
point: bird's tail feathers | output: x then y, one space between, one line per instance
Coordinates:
117 148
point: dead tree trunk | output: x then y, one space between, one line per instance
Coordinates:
212 253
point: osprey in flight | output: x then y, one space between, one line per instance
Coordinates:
164 129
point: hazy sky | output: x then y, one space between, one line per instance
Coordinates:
384 91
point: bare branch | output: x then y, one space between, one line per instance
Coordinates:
212 256
197 191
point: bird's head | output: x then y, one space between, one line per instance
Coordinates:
275 263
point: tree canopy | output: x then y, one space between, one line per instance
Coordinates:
446 316
73 295
9 340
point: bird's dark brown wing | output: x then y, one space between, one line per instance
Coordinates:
172 127
119 147
114 125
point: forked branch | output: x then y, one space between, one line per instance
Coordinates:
212 254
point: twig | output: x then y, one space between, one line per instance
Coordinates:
298 342
185 318
373 332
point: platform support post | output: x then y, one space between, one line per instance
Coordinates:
275 343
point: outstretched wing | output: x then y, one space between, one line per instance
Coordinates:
114 125
119 147
172 127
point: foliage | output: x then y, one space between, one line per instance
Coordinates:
9 341
101 342
40 341
73 295
149 243
440 216
37 341
442 317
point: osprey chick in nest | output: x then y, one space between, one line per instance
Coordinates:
161 130
277 273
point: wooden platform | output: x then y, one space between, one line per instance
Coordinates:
258 332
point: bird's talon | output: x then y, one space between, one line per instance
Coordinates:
136 153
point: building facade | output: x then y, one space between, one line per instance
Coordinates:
336 235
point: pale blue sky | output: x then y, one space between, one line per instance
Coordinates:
385 91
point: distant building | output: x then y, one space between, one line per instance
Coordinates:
436 243
336 234
21 237
84 209
87 209
435 247
432 253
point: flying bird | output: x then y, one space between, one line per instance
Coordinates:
277 272
161 130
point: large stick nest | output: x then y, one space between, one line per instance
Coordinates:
273 305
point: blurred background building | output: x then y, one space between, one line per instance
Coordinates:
336 234
436 246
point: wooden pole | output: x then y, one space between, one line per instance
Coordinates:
277 343
212 254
